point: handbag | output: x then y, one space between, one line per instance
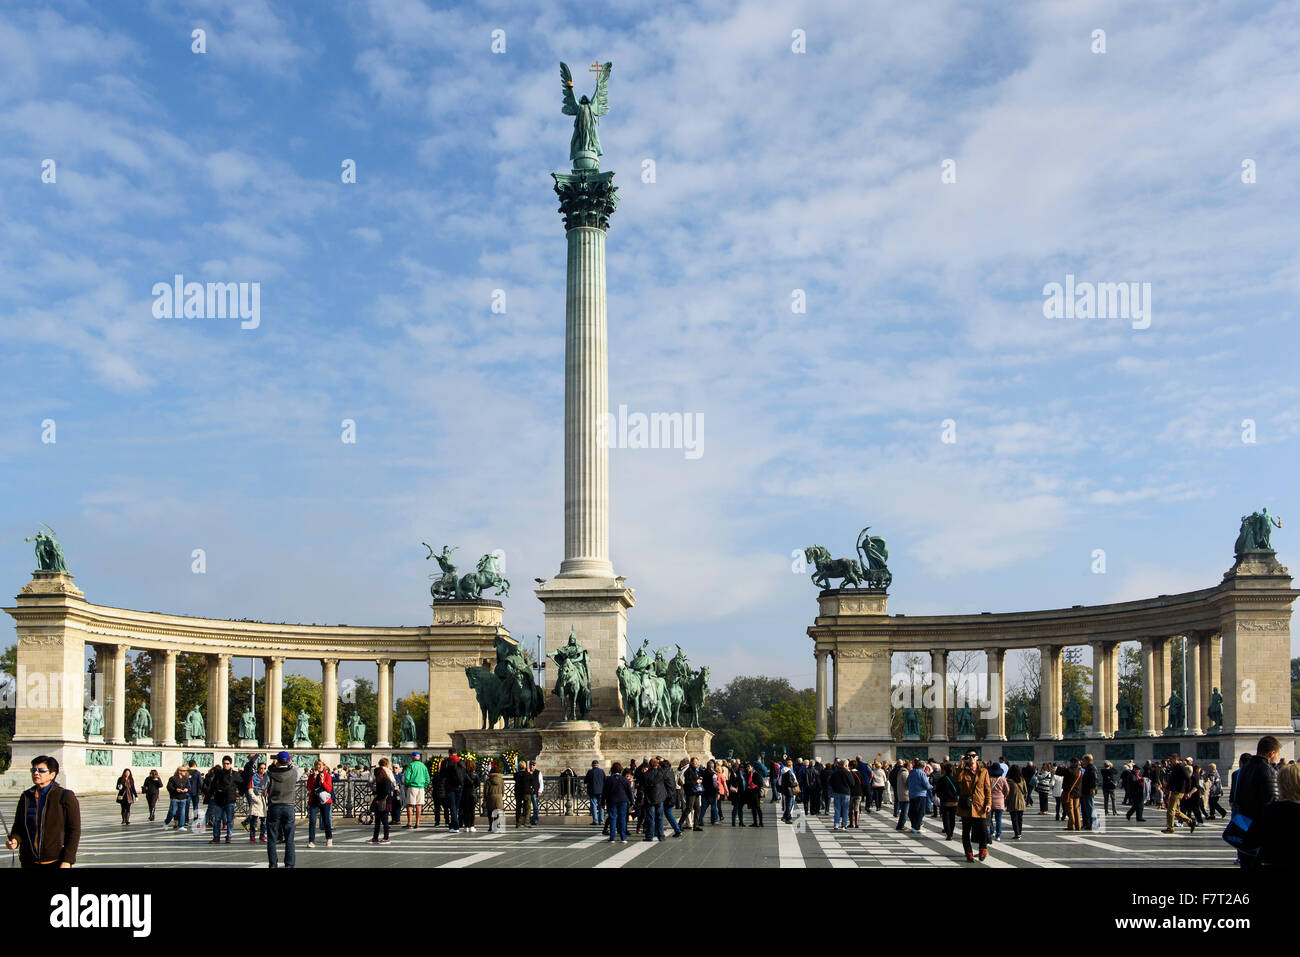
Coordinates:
1237 833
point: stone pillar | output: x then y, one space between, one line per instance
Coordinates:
997 662
103 656
115 708
385 705
586 201
1049 692
210 708
329 703
167 725
939 716
274 683
1192 662
820 716
1211 674
1163 682
1150 682
835 693
219 716
1102 707
431 732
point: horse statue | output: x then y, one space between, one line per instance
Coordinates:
826 568
570 689
653 700
444 584
629 688
697 689
488 692
487 575
679 673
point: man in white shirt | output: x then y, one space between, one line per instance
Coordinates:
537 772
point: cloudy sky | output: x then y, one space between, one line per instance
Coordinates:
783 161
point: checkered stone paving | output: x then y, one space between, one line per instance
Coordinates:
574 842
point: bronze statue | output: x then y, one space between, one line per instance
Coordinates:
584 147
1256 530
1216 712
49 554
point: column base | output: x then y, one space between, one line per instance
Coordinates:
586 568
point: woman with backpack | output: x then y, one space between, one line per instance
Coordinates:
127 794
998 791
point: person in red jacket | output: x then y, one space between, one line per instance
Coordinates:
320 803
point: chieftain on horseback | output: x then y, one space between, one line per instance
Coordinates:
660 692
507 692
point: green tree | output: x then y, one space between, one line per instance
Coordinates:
792 724
417 702
359 696
300 693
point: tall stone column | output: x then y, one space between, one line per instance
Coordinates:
116 707
997 665
103 655
1192 662
168 703
1049 692
213 668
1150 686
431 732
1164 672
219 720
274 682
939 717
385 705
835 692
820 716
1102 708
329 703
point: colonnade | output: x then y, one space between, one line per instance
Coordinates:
1203 667
110 664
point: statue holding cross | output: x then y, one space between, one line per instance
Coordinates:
584 148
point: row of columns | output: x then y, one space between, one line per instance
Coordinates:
110 663
1203 674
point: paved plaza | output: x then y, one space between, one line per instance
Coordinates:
560 843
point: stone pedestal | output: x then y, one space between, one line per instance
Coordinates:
407 746
596 611
196 743
245 743
462 636
143 742
356 745
576 744
965 737
94 739
572 744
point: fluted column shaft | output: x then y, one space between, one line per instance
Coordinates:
586 402
274 690
939 717
1049 692
1192 659
329 702
1150 682
820 717
997 662
385 706
430 730
169 697
117 702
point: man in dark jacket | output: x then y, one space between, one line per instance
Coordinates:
46 828
594 781
670 782
1256 789
525 785
693 785
281 784
453 779
1177 783
223 791
1108 778
656 793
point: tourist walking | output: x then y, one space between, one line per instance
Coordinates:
195 793
656 792
223 792
618 795
280 787
918 794
1214 792
1017 800
126 794
841 788
973 804
320 803
415 781
151 786
469 795
1043 784
1177 785
1087 792
999 789
899 780
693 795
453 780
524 784
385 783
178 790
1278 839
256 795
494 797
594 783
1257 788
945 790
1071 786
878 784
46 828
1108 777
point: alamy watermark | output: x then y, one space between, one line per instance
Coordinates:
179 299
657 430
1102 300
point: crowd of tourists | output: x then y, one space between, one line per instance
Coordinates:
653 796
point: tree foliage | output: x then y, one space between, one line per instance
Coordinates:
757 715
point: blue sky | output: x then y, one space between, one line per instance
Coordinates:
774 171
